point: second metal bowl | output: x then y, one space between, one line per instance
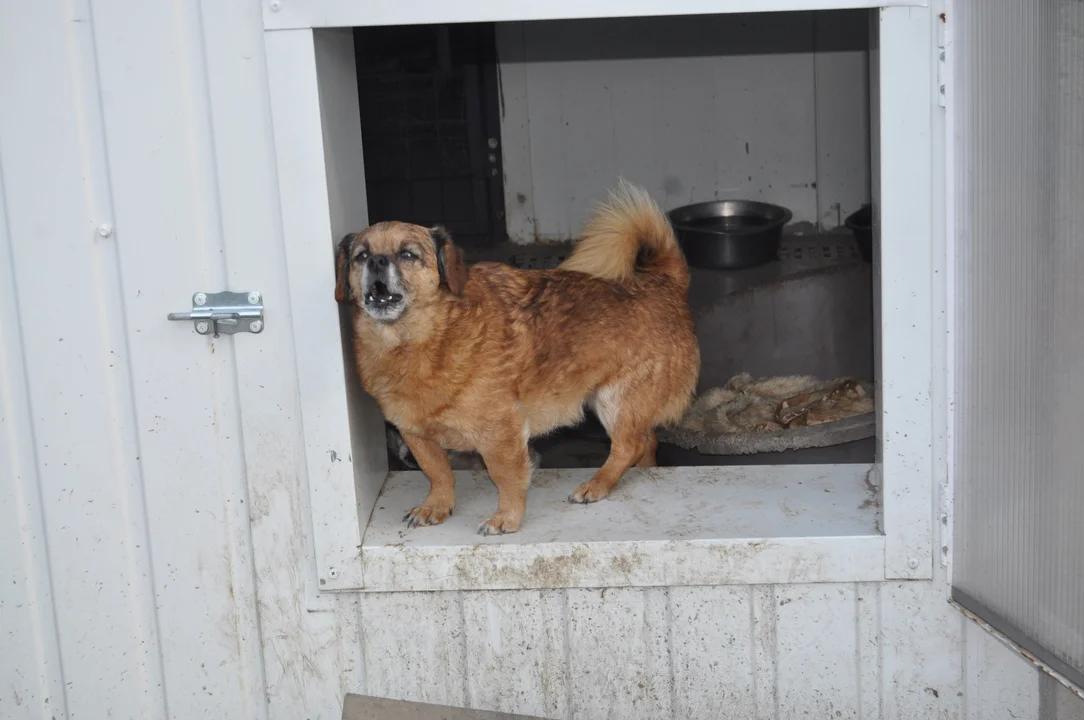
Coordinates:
861 224
729 234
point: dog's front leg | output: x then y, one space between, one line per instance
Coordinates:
509 464
433 460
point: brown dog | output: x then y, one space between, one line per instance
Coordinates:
485 358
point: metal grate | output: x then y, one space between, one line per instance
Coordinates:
427 97
822 249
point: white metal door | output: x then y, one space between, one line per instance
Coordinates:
1017 95
156 554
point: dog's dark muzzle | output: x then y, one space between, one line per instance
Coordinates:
379 295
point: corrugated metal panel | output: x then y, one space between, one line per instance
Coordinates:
1019 499
129 573
83 597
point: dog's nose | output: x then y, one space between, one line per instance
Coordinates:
377 263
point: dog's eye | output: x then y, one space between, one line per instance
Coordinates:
362 256
407 255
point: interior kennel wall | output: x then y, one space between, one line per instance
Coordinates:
767 106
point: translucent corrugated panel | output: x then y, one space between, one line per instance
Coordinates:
1018 559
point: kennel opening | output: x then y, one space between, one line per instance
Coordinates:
880 542
470 125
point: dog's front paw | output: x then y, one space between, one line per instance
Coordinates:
500 524
589 492
427 515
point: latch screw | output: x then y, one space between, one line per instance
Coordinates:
202 327
253 298
200 299
255 326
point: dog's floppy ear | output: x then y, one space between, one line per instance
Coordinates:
342 270
450 263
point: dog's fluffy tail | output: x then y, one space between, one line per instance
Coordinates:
628 228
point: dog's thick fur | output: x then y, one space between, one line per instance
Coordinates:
486 357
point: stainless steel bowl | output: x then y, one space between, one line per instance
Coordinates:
729 234
860 223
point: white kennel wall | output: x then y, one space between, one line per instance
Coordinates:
156 540
764 106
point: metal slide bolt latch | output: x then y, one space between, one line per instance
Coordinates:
224 312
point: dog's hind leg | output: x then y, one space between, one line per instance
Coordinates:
509 464
632 441
440 502
627 446
651 445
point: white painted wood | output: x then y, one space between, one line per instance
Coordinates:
309 251
289 14
710 628
903 265
755 524
414 648
516 652
619 664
